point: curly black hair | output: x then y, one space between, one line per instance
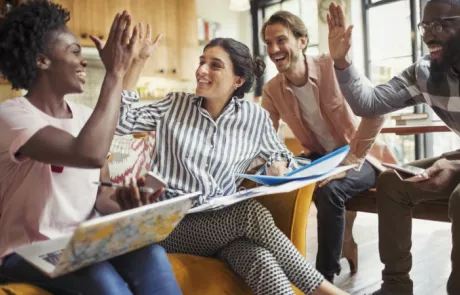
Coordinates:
24 33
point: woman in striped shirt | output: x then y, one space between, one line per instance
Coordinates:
203 141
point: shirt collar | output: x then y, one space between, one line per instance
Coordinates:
198 101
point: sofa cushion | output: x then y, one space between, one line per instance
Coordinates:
130 156
199 275
21 289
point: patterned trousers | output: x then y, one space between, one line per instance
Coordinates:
246 238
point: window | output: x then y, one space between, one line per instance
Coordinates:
387 57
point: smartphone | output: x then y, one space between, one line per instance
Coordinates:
407 172
154 181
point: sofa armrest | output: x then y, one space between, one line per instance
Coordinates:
290 212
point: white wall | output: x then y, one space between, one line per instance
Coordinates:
234 24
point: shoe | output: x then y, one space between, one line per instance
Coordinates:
380 292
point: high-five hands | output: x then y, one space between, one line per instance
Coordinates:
118 52
145 48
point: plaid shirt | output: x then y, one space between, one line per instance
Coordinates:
413 86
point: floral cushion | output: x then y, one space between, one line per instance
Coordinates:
130 156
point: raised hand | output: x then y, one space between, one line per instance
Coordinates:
339 37
119 51
145 48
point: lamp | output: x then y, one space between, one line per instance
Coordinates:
239 5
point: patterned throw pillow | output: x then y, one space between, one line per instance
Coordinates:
130 156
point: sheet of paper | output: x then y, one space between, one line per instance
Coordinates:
222 202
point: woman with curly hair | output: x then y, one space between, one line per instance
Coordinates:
203 141
52 150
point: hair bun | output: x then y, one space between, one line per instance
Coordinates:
259 67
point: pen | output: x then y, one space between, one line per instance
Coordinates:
114 185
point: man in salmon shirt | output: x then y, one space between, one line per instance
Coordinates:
306 95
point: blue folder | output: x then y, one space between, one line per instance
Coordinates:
339 154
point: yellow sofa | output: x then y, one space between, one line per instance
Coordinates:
199 275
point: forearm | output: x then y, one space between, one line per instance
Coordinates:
367 100
133 74
105 203
359 94
364 139
97 134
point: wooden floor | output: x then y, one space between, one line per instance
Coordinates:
431 256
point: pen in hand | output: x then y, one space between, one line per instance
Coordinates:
142 189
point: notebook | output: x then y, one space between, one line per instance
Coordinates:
106 237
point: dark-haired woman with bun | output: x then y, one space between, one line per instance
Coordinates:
203 141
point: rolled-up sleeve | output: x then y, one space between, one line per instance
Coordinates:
142 119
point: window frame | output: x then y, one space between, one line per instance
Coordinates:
421 144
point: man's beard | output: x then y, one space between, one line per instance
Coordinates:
450 57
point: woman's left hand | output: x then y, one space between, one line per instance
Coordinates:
130 197
145 47
278 169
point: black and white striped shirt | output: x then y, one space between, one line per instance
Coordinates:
195 153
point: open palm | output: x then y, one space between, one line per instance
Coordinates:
145 47
339 37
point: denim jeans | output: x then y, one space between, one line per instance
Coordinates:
144 271
330 202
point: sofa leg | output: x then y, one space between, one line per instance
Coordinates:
350 248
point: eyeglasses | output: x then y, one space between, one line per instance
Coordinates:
435 26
